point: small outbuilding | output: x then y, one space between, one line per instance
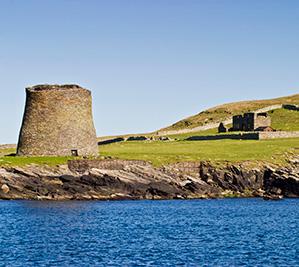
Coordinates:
221 128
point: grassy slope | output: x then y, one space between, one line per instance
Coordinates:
282 119
223 111
286 120
216 151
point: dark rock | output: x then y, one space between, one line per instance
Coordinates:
282 181
115 179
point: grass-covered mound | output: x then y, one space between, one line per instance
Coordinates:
222 112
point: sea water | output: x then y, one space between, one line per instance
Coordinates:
227 232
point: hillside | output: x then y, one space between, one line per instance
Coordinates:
206 122
281 120
225 111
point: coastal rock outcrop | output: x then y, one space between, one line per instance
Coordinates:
282 182
119 179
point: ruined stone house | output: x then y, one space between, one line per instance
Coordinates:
237 123
251 121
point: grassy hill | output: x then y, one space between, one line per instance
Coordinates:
222 112
281 119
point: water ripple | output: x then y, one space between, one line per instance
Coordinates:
230 232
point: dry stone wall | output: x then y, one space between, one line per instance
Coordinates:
240 136
268 108
6 146
278 134
81 166
291 107
246 136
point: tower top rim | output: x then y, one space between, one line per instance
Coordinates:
54 87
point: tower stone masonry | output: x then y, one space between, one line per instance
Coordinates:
57 121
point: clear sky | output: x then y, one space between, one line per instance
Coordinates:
148 63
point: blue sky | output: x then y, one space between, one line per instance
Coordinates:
148 63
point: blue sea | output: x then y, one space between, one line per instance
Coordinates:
227 232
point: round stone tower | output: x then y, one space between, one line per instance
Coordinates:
57 122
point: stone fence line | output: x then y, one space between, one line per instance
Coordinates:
6 146
278 134
108 164
246 136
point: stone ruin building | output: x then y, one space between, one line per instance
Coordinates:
251 121
57 121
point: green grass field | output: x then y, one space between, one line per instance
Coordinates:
160 153
22 161
8 159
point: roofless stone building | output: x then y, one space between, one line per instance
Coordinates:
251 121
57 122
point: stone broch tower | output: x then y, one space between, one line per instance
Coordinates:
57 121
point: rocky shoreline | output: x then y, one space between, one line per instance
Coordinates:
119 179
